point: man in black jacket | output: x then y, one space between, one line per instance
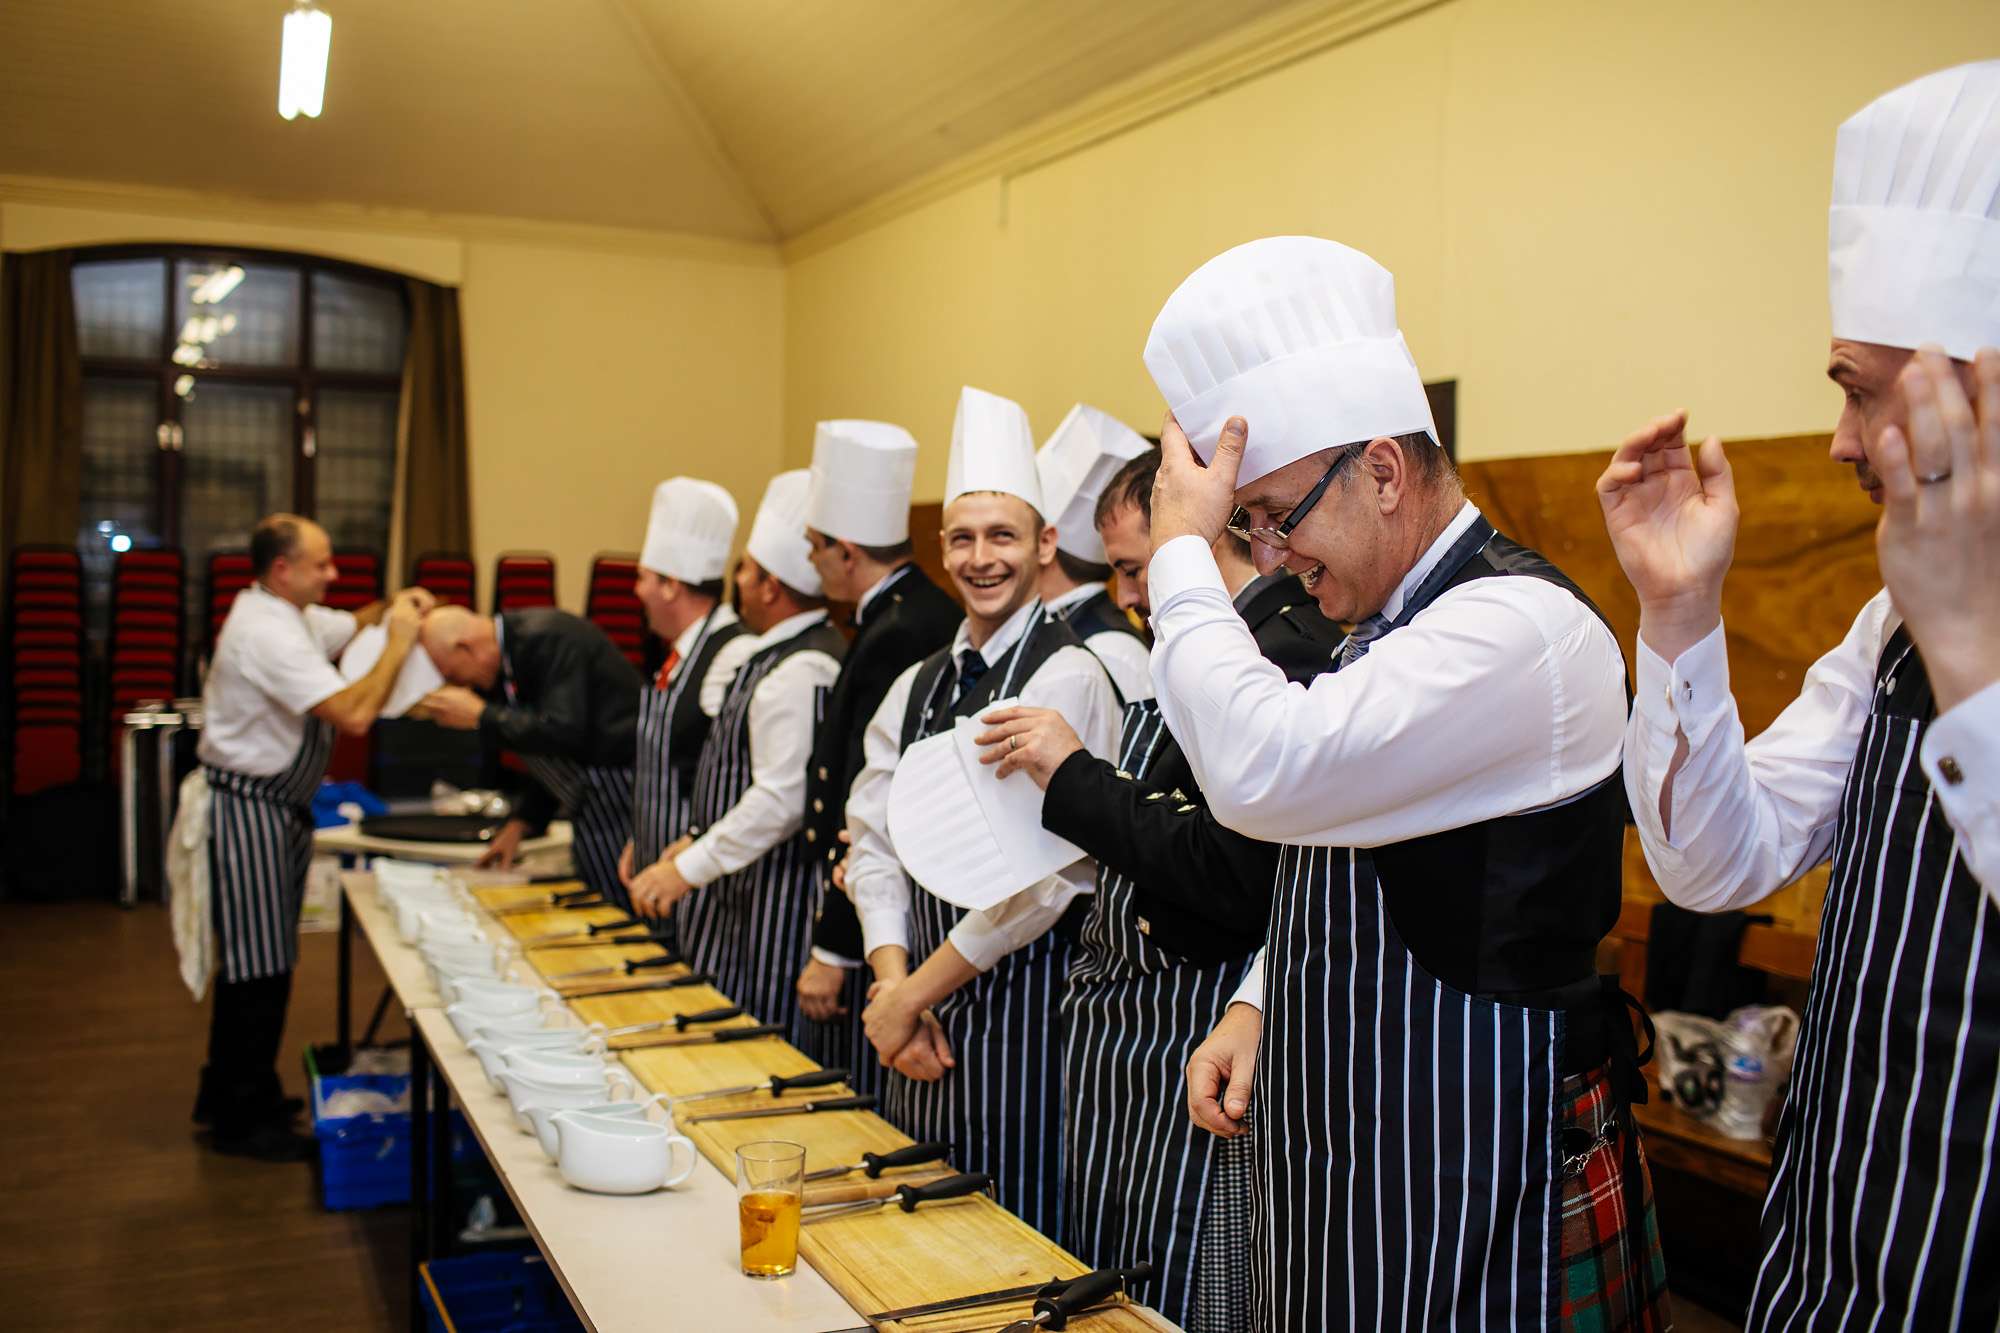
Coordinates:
1179 909
858 522
554 689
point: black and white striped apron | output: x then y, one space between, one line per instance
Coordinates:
751 930
1000 1108
1139 1174
659 802
1883 1209
260 832
598 800
840 1042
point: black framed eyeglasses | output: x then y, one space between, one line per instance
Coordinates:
1280 537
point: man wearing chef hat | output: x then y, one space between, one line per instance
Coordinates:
1882 1207
858 524
1073 466
679 583
272 701
554 689
742 890
972 1034
1442 1078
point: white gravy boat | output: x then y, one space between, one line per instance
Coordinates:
524 1091
541 1117
616 1155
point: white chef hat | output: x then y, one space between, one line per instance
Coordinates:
1074 466
862 472
778 535
992 449
1297 336
1913 251
690 530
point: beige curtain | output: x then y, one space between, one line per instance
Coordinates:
41 401
433 488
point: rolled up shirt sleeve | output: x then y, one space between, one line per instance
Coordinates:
1251 990
772 808
1502 695
1743 819
1961 757
875 878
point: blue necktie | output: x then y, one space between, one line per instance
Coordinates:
971 666
1362 639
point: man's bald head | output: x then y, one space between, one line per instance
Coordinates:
463 646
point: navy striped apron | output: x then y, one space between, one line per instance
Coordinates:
659 798
751 930
260 832
840 1042
1883 1209
598 800
1000 1109
1139 1175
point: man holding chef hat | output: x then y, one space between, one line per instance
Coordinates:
272 702
1882 1207
858 526
965 1006
1441 1083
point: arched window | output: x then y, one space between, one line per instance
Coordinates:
220 385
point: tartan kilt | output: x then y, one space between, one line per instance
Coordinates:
1613 1273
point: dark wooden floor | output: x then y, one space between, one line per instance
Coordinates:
111 1217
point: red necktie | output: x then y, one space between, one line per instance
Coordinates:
666 675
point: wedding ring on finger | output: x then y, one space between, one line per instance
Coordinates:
1932 479
1013 743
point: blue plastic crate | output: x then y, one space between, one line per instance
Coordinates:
505 1291
365 1159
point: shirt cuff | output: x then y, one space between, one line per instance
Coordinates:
1695 684
1251 992
832 959
698 865
1961 757
882 928
980 941
1184 564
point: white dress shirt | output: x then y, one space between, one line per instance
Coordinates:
722 667
1750 818
773 807
273 665
1504 695
1074 684
1123 655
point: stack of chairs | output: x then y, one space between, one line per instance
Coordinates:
523 579
145 644
228 574
612 606
359 583
448 575
45 661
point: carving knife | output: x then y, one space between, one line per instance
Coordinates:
907 1197
1053 1287
863 1101
777 1085
873 1164
715 1036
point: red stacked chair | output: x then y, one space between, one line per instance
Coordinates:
359 583
145 660
612 606
447 575
523 578
228 574
45 667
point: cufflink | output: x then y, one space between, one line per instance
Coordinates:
1687 690
1949 770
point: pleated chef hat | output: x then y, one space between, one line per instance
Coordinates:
862 472
690 530
1297 336
1075 465
778 535
1913 251
992 449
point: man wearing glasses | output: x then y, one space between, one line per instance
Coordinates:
1440 1076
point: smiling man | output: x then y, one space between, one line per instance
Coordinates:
1882 1209
972 1035
1442 1133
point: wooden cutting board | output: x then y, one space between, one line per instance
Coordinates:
876 1260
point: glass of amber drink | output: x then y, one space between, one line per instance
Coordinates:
770 1180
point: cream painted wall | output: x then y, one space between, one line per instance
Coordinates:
1594 211
595 364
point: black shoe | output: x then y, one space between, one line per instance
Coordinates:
265 1143
286 1111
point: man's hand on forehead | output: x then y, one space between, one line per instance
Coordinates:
1190 499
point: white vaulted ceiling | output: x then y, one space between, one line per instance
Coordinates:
746 119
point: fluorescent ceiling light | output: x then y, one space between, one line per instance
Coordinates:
302 68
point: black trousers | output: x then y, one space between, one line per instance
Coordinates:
240 1086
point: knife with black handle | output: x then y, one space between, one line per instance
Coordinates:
910 1197
861 1101
873 1164
715 1036
777 1085
1056 1311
